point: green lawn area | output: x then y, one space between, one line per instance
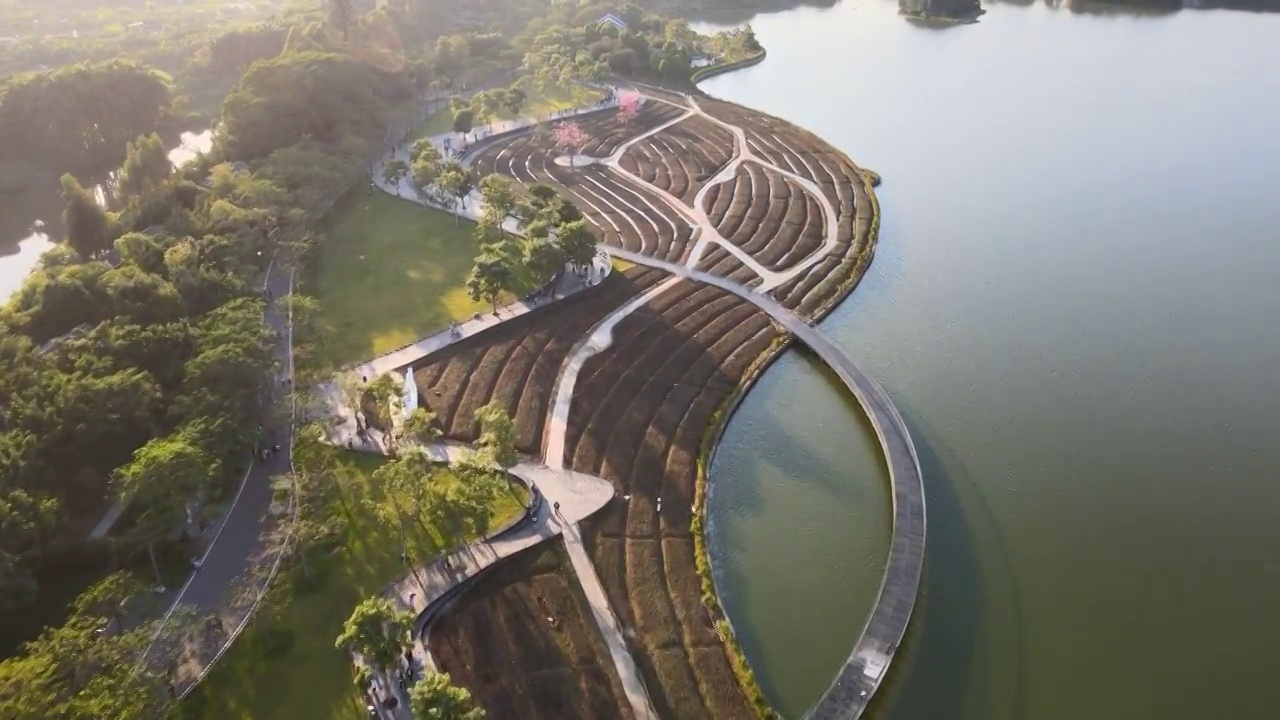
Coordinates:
310 678
390 272
538 104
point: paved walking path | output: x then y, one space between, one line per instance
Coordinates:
598 339
696 215
566 285
338 407
862 673
237 538
579 495
848 695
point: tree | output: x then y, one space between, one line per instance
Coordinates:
425 173
424 148
488 230
463 121
490 277
514 99
629 102
470 502
577 242
396 478
88 226
420 426
571 138
486 105
497 435
455 181
393 172
141 251
435 697
542 194
376 399
109 597
543 256
76 672
376 630
28 525
164 476
499 194
146 165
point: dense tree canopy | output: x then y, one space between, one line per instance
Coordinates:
323 95
435 697
376 630
76 118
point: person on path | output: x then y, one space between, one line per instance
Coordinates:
556 506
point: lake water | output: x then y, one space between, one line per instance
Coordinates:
1076 305
31 221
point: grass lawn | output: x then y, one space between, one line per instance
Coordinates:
390 272
310 678
539 103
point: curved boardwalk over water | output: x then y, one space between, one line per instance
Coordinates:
857 681
716 194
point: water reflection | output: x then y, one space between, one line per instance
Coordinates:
31 220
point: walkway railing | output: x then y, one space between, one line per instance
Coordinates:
858 679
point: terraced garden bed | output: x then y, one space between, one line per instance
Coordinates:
625 214
638 417
841 182
516 362
768 215
524 642
682 158
642 408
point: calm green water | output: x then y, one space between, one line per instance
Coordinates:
1076 304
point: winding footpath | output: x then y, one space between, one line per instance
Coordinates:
861 675
847 697
426 590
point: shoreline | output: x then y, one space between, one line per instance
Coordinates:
701 523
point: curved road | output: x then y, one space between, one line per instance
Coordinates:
848 695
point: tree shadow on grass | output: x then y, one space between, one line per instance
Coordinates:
391 272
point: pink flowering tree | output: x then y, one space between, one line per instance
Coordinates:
628 106
571 138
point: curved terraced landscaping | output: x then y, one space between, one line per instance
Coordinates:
768 215
523 641
627 216
813 292
516 362
682 158
703 185
638 419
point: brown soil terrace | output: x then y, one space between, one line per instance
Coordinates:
640 408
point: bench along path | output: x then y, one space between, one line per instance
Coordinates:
862 673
